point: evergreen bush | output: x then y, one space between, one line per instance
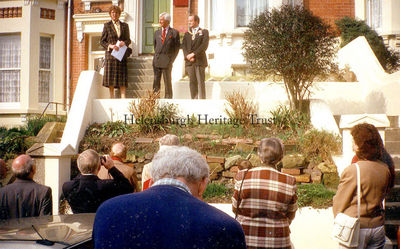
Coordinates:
351 28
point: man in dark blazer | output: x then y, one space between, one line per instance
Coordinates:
24 197
195 44
115 35
170 214
86 192
166 48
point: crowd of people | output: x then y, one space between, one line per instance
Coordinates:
170 213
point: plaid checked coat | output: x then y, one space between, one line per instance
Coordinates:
266 208
115 71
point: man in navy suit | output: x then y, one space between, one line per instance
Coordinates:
25 197
166 48
194 46
86 192
170 214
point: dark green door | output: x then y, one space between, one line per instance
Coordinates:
151 10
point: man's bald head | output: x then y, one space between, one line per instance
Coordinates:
118 149
23 166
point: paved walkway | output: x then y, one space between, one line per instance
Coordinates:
310 229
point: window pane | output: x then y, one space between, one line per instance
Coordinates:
10 51
246 10
374 13
10 59
9 85
44 84
45 52
45 69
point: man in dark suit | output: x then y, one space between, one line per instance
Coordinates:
25 197
166 48
86 192
170 214
195 44
115 35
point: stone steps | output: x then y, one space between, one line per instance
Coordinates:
140 76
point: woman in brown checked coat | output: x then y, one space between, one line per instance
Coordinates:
115 71
266 203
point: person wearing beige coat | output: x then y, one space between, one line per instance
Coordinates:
374 181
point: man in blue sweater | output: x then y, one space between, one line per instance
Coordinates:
170 213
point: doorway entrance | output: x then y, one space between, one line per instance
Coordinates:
151 11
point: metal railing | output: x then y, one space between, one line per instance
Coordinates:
47 106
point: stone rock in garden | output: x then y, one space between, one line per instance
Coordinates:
214 176
215 167
204 136
245 164
215 159
131 158
254 160
316 176
231 161
327 167
141 159
293 161
237 140
144 140
303 178
242 147
228 174
307 171
234 169
149 156
293 172
188 137
331 180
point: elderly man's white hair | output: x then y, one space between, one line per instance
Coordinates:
167 17
176 162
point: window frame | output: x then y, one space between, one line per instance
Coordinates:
51 70
13 104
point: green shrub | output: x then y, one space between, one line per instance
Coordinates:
112 129
351 28
12 142
318 146
284 118
314 195
214 190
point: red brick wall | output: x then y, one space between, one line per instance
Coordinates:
180 14
331 10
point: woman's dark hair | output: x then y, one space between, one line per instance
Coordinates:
270 151
368 140
115 8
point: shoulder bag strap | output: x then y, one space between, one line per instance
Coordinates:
358 190
240 191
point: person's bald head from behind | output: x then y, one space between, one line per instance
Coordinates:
168 140
118 150
3 169
23 167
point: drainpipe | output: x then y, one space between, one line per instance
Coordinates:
190 7
68 53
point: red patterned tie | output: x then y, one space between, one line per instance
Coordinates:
163 35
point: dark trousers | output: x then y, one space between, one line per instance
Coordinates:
197 78
166 74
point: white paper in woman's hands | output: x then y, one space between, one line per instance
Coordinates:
120 53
